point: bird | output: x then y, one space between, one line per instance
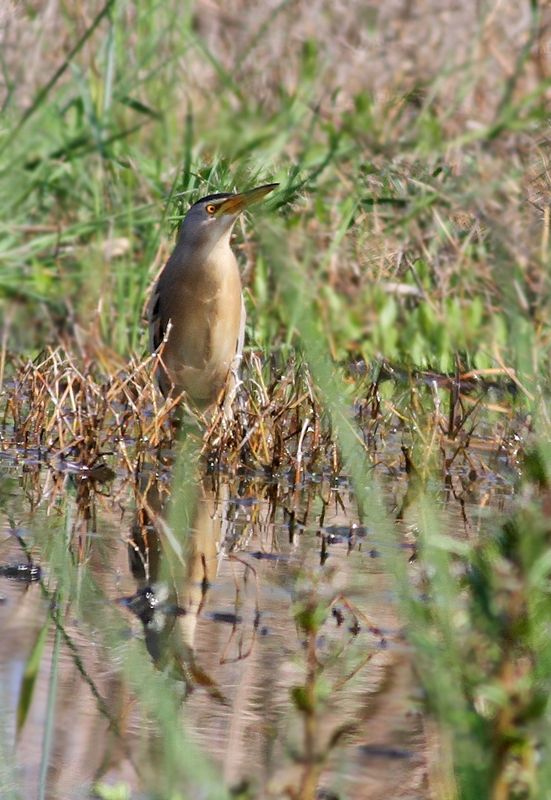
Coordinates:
196 312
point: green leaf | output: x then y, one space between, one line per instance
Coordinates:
30 675
120 791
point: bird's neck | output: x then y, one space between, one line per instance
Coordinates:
209 257
220 252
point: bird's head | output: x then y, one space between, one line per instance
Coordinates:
212 217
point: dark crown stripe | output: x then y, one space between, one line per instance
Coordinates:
210 197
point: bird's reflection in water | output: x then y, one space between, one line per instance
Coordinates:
170 596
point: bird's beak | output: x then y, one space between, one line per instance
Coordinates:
239 202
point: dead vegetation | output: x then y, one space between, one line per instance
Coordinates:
81 419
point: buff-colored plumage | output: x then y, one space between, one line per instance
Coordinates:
197 304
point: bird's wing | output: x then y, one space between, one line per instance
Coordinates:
156 326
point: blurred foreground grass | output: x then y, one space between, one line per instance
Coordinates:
411 224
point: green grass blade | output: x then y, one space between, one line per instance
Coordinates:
30 676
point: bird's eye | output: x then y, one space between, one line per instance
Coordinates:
211 208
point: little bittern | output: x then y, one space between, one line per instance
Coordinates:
199 294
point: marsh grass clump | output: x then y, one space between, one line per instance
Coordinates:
76 413
80 412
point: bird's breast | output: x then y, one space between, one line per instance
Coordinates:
205 312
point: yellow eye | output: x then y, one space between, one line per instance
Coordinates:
211 208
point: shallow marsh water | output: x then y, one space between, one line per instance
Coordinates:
220 621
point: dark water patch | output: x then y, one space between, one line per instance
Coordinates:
225 617
260 556
382 751
22 573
